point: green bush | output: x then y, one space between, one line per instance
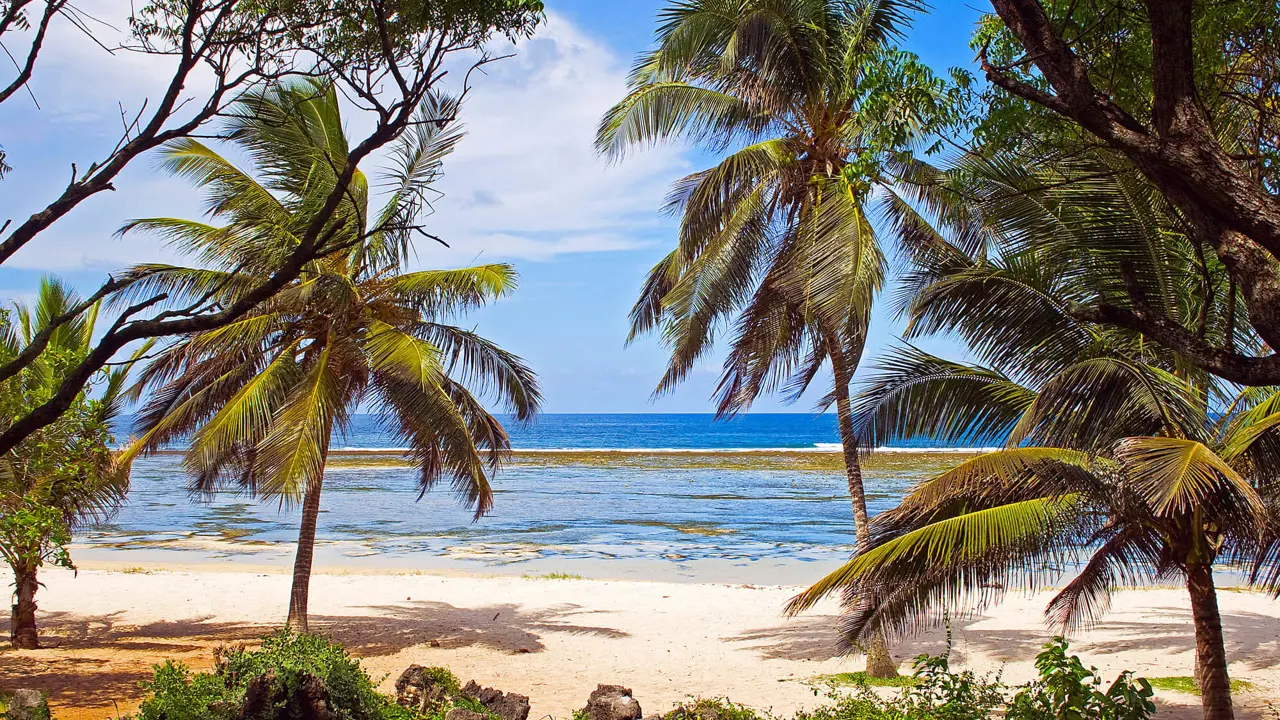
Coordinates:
1064 690
279 669
932 693
712 709
1067 690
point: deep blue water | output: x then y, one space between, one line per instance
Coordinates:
636 431
665 508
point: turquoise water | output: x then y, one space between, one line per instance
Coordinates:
679 495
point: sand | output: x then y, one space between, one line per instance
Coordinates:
556 639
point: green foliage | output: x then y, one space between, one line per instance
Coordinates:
177 694
445 679
1187 684
260 398
1115 456
1067 690
65 473
287 659
933 692
945 695
35 535
814 103
1235 56
1064 690
340 35
861 678
712 709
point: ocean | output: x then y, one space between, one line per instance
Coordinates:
759 498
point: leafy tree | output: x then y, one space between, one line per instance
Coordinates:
1187 93
66 474
386 58
1117 454
811 100
260 398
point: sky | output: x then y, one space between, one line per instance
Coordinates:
525 186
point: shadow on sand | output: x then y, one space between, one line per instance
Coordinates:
98 660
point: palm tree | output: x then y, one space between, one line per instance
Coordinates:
65 475
261 398
811 97
1121 462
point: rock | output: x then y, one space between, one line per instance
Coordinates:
464 714
266 698
508 706
416 688
613 702
27 704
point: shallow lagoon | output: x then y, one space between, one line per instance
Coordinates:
751 513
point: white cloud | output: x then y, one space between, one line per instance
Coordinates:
525 183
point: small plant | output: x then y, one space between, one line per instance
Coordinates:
938 693
712 709
1067 690
553 576
135 570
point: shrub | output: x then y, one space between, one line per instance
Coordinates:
712 709
1067 690
286 667
1064 690
932 693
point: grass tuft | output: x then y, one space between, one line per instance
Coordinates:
861 679
1187 684
553 576
135 570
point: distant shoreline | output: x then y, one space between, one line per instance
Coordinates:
821 449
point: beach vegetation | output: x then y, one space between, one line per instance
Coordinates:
554 576
66 475
278 679
1064 688
1121 463
813 106
713 709
1187 684
859 678
259 400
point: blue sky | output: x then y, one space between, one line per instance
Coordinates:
523 187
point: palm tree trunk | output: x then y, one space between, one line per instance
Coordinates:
1211 654
880 663
306 553
22 618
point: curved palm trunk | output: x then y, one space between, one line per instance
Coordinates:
1211 654
22 618
880 663
306 553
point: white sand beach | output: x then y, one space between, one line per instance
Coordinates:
556 639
